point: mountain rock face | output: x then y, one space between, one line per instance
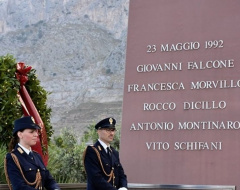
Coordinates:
78 51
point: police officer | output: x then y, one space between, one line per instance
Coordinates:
102 164
24 168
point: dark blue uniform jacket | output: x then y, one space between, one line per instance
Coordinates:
96 179
29 168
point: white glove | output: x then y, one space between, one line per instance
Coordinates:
122 188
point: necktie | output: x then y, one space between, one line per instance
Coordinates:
31 155
109 152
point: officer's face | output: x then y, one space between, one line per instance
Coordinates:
28 137
106 135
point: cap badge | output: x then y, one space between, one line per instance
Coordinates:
33 119
111 121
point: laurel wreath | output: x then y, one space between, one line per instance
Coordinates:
10 107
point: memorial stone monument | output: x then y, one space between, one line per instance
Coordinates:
181 105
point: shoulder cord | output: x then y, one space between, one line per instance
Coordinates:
111 174
6 174
37 181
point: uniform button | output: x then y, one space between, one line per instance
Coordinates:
30 168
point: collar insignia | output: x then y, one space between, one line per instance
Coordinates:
20 150
99 148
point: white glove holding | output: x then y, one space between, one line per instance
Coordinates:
122 188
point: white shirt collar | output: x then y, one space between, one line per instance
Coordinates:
103 144
25 149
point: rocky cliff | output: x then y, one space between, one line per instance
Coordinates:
78 50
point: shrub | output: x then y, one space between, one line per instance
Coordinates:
10 107
65 158
3 153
